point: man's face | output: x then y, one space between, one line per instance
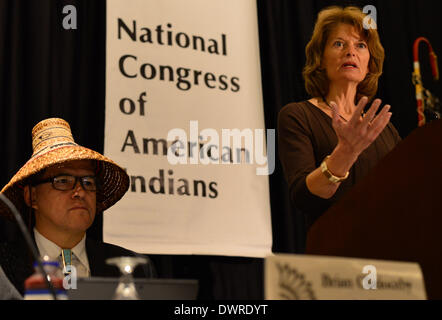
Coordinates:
70 211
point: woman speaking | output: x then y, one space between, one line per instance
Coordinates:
327 143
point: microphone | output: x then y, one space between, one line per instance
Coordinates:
30 243
7 290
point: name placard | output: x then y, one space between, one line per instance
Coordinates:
294 277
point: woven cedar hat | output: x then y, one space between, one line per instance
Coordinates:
52 143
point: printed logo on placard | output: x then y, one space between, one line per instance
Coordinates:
293 285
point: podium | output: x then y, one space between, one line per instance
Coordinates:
395 213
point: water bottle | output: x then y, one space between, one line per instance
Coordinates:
36 287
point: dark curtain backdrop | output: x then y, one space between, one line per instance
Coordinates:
46 71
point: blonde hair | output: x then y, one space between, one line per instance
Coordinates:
315 77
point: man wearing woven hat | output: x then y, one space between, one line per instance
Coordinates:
60 190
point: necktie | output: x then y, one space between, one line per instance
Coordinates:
66 255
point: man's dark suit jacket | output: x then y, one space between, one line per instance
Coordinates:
16 260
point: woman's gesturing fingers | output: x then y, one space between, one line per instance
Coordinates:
357 114
379 123
368 117
336 116
358 133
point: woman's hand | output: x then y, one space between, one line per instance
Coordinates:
354 137
359 132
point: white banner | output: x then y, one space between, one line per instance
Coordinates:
184 116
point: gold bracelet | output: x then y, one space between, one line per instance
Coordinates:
330 176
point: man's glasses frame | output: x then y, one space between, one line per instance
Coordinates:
84 182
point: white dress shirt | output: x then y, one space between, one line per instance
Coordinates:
53 251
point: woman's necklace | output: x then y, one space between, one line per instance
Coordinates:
332 109
362 114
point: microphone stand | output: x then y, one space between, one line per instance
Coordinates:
30 243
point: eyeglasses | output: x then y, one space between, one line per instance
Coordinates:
67 182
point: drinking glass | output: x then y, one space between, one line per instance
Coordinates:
126 287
